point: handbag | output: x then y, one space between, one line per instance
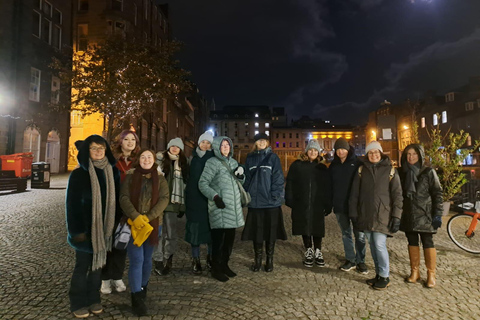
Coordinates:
122 236
245 197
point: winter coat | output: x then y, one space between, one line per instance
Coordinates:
265 183
374 198
216 179
308 193
145 198
171 207
427 202
79 197
196 202
342 175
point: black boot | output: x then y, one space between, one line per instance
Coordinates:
168 266
158 267
269 248
217 270
257 264
138 304
226 252
144 292
208 266
196 266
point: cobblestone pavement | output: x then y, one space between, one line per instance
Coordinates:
36 265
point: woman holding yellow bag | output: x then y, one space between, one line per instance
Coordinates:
143 197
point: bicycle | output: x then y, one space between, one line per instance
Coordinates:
462 226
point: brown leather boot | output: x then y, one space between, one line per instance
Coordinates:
414 254
431 263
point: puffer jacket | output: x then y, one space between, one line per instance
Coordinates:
79 197
145 198
427 202
216 179
374 198
342 175
265 183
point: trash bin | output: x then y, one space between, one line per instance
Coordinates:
40 175
21 163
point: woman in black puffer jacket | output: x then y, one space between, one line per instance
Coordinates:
422 210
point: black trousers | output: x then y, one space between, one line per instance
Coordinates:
427 239
115 265
85 284
222 244
307 242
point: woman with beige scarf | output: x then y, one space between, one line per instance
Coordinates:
91 209
173 164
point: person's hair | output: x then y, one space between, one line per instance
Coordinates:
137 159
255 147
98 140
304 157
182 162
121 136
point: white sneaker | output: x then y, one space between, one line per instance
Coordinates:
106 287
119 285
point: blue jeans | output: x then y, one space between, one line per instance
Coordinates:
140 265
353 253
378 248
85 284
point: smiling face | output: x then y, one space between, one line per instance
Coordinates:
174 150
312 154
97 151
146 160
374 156
128 144
412 156
342 154
205 145
225 148
261 144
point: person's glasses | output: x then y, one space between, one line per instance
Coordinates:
374 152
95 149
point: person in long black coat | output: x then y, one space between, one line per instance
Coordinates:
197 229
308 193
422 210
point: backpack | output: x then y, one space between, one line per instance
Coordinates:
392 172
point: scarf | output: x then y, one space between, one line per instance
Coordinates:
412 172
200 152
178 188
101 230
136 193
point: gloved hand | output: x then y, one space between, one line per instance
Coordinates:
437 222
219 202
139 221
239 172
394 224
145 218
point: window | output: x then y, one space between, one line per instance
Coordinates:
296 135
276 135
225 125
119 28
444 116
236 125
82 34
290 144
256 132
31 142
256 115
297 144
55 98
246 133
290 135
76 118
47 31
57 37
34 84
246 124
47 8
277 144
135 14
283 135
422 122
283 144
256 124
267 133
450 97
57 16
82 5
117 5
36 24
37 4
236 133
267 125
469 106
435 119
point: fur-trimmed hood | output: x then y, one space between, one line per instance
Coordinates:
84 151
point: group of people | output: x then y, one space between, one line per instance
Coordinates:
151 191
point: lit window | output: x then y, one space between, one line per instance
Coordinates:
55 90
435 119
256 115
422 122
246 123
267 133
267 125
444 116
256 124
34 84
277 144
256 131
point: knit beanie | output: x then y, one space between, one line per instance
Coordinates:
341 143
260 136
207 135
175 142
372 146
313 144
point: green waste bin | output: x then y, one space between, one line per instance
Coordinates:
40 175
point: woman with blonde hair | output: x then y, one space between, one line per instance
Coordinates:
308 193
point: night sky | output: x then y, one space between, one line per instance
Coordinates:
335 60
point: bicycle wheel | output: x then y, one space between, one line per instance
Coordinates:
457 227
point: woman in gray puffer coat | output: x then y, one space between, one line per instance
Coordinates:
422 210
218 184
